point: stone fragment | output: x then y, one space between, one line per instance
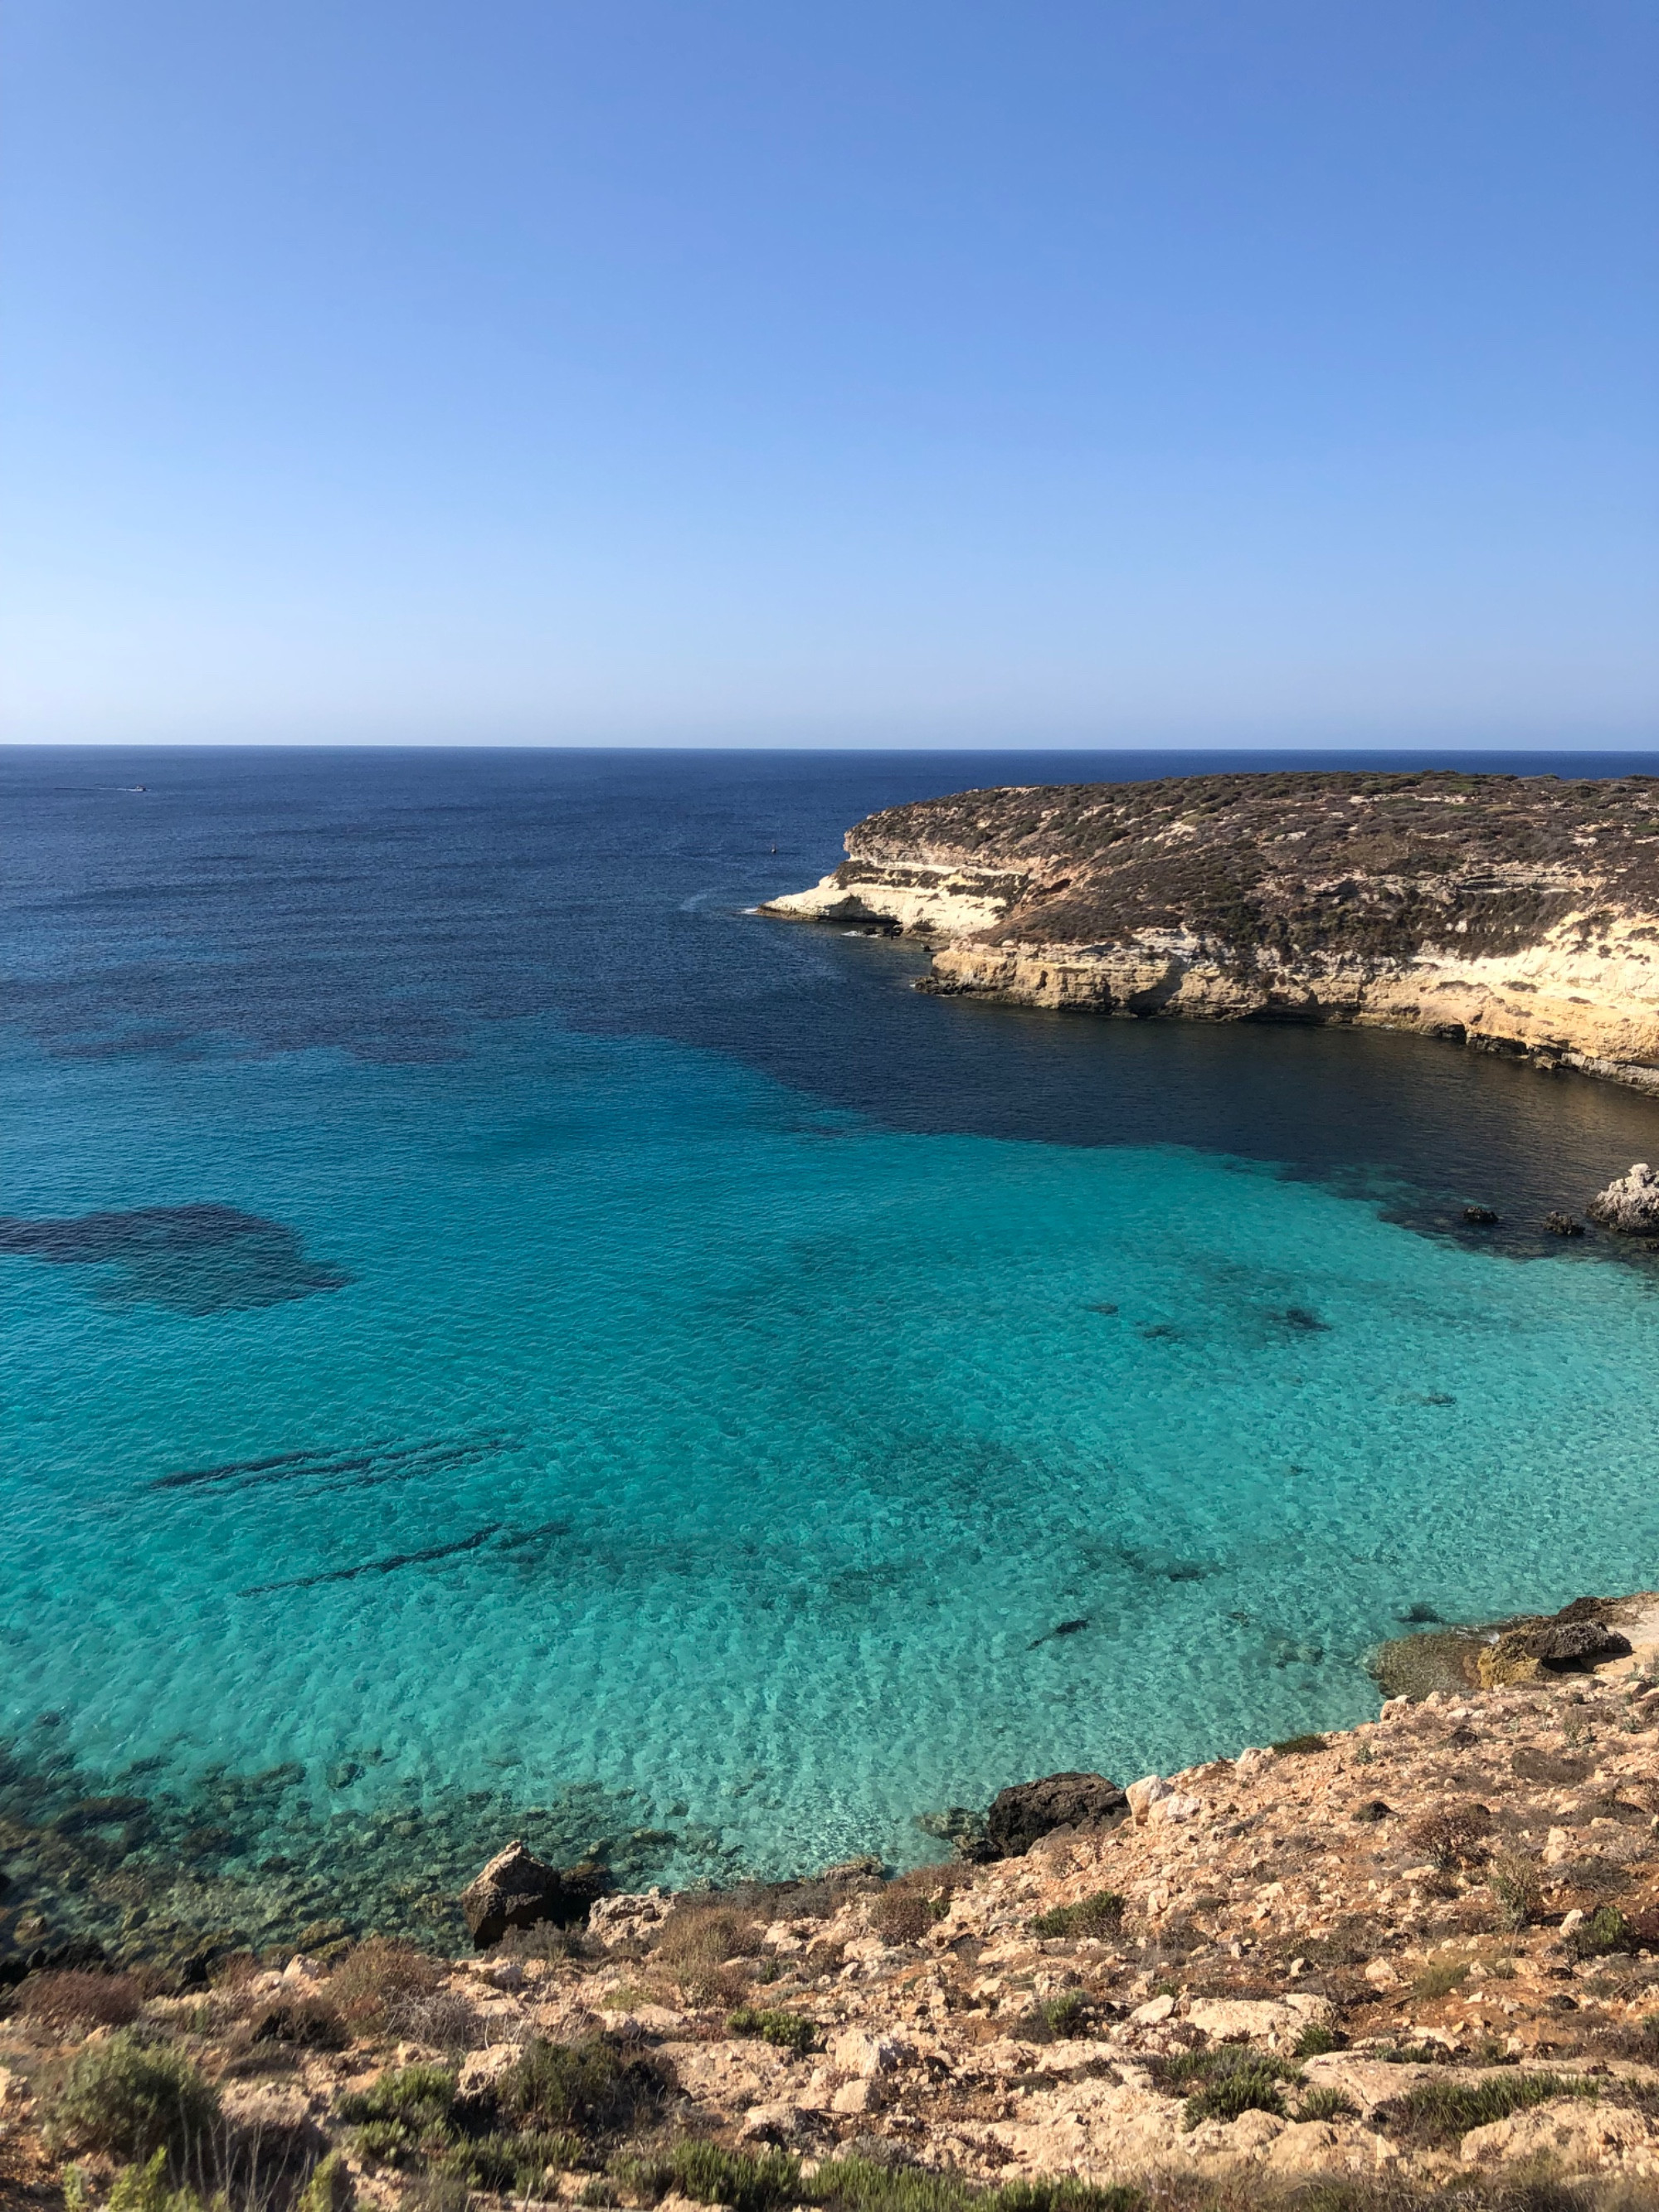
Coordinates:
1018 1815
1630 1204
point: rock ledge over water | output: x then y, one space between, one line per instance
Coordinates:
1516 914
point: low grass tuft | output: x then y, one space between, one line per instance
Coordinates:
1436 2112
788 2030
1101 1914
1253 2086
1440 1978
1326 2105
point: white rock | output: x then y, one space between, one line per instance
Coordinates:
1253 2020
1575 2132
1558 1845
617 1919
1631 1204
479 2067
1154 2009
861 2096
1176 1807
855 2051
300 1968
1146 1793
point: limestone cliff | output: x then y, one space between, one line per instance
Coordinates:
1516 914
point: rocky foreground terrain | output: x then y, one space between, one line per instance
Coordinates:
1514 914
1416 1962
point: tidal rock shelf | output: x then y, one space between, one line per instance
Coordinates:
1516 914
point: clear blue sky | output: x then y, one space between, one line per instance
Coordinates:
904 371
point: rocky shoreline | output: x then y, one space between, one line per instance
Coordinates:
1418 1959
1515 914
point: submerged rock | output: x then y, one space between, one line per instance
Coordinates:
516 1890
1563 1225
1020 1814
1629 1205
960 1825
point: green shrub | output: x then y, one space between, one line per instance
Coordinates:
1514 1883
147 2189
1099 1914
131 2098
1606 1929
509 2165
786 2029
1437 2111
1251 2087
414 2096
746 2183
1325 2105
858 2184
1067 2014
1314 2040
328 2188
1064 2194
408 2109
575 2085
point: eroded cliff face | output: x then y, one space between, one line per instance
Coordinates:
1517 913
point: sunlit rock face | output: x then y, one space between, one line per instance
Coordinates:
1516 914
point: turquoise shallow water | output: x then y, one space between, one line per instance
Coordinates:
624 1433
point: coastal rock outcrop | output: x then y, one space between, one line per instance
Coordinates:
1518 915
516 1890
1020 1815
1630 1204
1584 1634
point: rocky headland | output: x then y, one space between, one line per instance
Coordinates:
1416 1962
1518 915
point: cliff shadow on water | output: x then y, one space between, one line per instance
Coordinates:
1420 1127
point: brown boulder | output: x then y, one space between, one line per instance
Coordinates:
516 1890
1018 1815
1577 1643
